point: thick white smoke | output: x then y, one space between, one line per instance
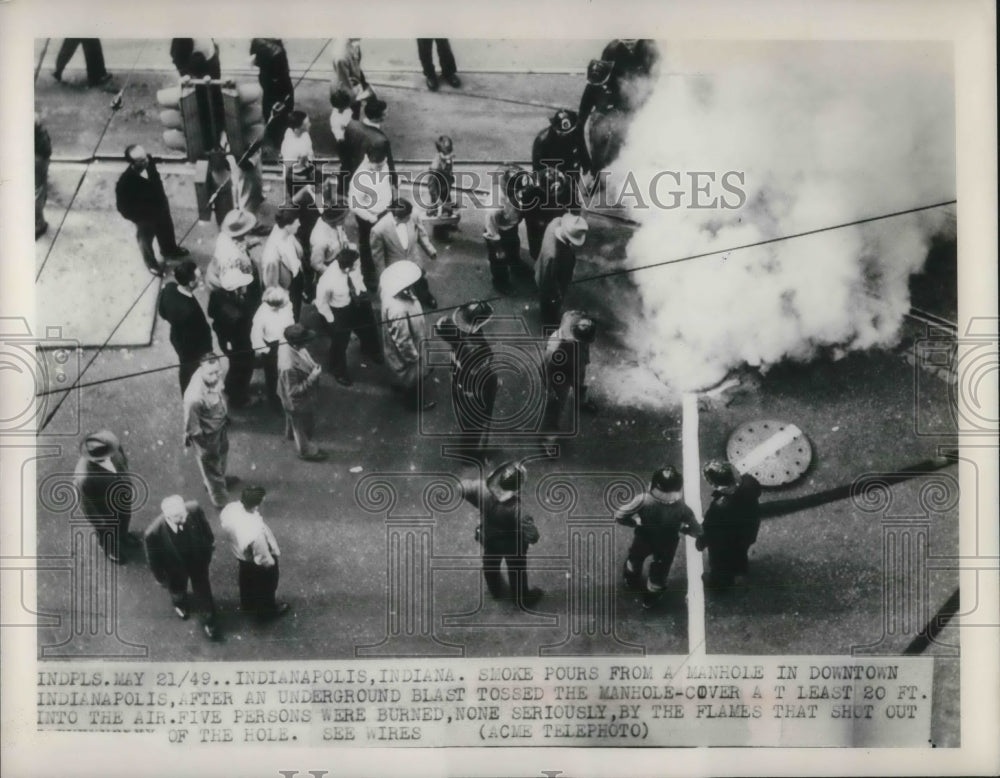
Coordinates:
823 133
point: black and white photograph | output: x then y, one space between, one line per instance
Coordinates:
499 390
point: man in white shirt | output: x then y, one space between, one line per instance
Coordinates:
341 299
369 197
257 552
328 237
206 422
269 322
281 259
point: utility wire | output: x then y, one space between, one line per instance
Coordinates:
583 280
41 59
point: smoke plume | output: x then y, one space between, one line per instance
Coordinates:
823 134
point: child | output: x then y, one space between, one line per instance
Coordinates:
442 179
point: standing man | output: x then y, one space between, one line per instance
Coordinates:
503 243
93 55
348 75
556 262
403 332
567 355
425 50
342 300
658 515
369 196
298 378
732 522
206 421
257 552
328 237
106 492
361 136
281 258
561 145
547 194
43 153
396 236
190 334
474 376
505 532
232 310
179 546
267 331
278 92
140 198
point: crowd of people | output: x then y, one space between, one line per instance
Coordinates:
261 277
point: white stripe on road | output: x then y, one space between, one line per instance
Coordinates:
692 496
768 448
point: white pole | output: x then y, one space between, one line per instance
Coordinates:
692 496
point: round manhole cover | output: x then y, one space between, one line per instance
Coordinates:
774 452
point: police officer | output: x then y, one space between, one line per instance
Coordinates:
599 94
659 515
731 522
561 146
504 531
567 355
542 196
474 378
603 105
632 58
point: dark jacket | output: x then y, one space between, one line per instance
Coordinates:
733 519
170 556
139 199
190 334
104 496
473 369
194 65
567 153
629 64
274 76
659 523
504 526
358 138
232 318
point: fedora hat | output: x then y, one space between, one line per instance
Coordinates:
234 278
506 480
573 229
99 445
398 276
297 335
472 317
238 222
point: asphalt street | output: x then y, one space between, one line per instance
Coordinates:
818 576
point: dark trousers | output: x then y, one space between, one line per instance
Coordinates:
554 407
726 561
241 360
163 230
474 410
425 50
257 587
200 598
93 55
495 553
359 319
111 531
296 290
503 254
422 291
368 270
550 308
275 133
300 427
270 360
189 363
663 557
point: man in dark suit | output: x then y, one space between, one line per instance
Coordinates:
106 492
278 92
190 334
179 546
140 198
732 522
360 136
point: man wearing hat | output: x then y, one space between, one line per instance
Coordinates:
597 95
504 531
731 522
257 552
567 355
231 311
140 198
190 334
106 492
546 195
503 243
206 421
474 378
396 236
342 299
561 146
556 262
232 250
658 515
361 135
266 332
328 237
179 545
298 379
404 329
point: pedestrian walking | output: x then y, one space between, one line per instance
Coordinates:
369 197
567 354
268 329
659 516
179 546
503 243
190 334
140 198
342 299
277 91
104 485
732 522
206 424
505 531
348 74
556 262
231 310
395 237
93 55
256 550
298 379
281 258
43 153
474 375
403 333
425 50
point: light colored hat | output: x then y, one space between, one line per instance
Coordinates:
234 278
238 223
275 296
472 317
398 276
573 229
